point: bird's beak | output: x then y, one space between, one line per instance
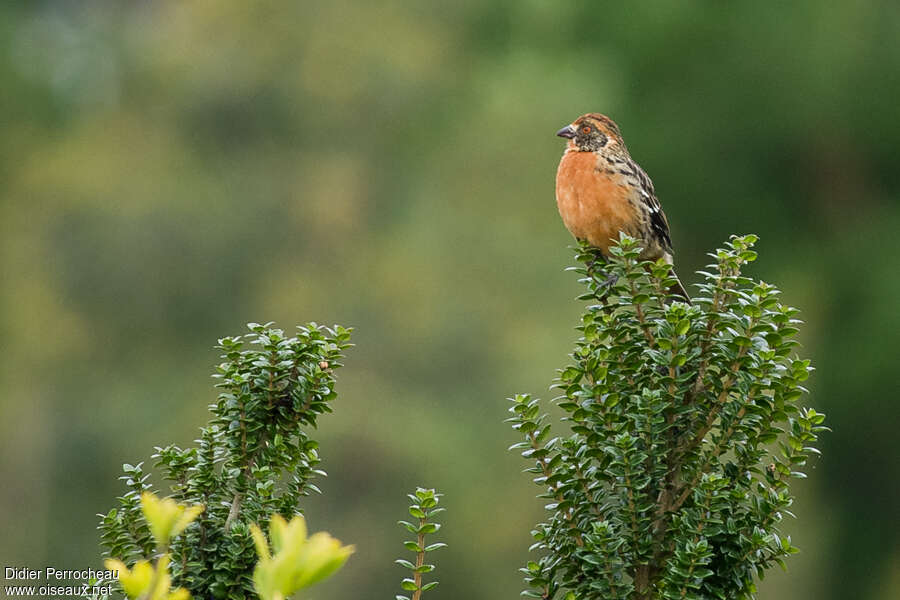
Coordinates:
567 132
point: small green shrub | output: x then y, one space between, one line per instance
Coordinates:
684 431
423 509
252 462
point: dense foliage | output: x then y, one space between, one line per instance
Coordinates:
684 431
252 461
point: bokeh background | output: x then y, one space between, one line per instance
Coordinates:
172 170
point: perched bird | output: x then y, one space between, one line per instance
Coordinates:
601 191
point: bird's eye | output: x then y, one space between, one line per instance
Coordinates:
586 129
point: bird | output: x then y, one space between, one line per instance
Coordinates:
601 191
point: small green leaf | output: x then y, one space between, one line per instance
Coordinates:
409 585
435 546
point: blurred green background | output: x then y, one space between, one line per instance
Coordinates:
172 170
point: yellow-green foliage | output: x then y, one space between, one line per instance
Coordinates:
295 562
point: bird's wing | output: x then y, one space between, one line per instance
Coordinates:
658 221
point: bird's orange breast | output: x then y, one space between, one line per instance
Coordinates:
594 204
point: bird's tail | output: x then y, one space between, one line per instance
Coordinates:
678 288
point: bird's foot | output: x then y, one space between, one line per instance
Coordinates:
604 283
601 278
610 281
604 286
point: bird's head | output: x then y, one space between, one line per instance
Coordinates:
593 132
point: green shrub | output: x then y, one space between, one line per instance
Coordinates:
252 462
423 509
684 431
